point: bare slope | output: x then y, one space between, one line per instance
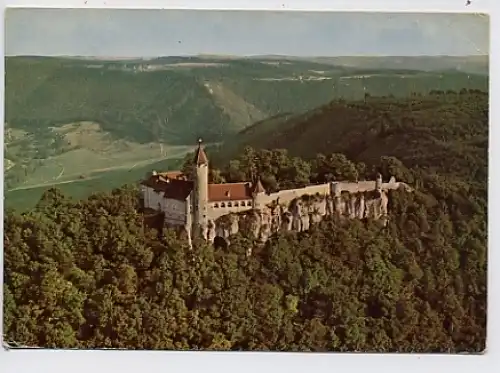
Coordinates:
241 113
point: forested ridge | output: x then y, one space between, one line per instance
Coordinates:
91 274
421 130
174 105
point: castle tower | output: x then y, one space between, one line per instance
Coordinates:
258 195
201 192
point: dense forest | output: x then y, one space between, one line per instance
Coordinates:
98 273
421 130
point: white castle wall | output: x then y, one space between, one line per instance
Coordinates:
359 187
223 208
327 189
287 196
153 200
393 185
176 212
328 200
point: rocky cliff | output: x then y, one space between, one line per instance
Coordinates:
300 214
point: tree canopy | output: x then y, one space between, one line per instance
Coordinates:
92 274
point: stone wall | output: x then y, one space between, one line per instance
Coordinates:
176 212
288 195
287 210
352 201
223 208
153 199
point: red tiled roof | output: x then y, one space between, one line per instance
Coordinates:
172 174
200 156
229 192
172 188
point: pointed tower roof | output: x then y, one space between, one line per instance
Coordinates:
200 157
259 188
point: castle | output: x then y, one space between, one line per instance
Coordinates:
209 210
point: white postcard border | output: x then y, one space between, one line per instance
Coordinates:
21 361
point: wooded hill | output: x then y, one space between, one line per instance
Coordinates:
90 274
443 132
175 100
124 114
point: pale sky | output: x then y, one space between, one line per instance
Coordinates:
149 33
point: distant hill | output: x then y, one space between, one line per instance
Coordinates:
177 99
468 64
423 132
71 118
169 99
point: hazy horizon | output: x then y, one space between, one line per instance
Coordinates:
229 56
136 33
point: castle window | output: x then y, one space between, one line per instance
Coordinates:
236 204
222 204
229 204
249 203
216 205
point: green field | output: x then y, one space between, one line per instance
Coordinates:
23 199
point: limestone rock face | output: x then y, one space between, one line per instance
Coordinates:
212 232
300 214
287 221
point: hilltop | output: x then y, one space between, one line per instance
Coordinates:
421 131
468 64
